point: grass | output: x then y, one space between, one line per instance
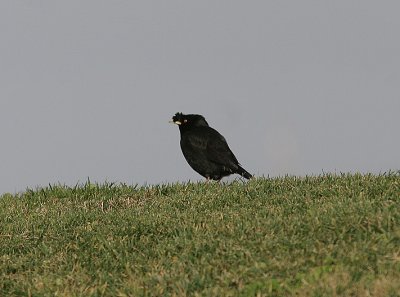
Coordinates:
330 235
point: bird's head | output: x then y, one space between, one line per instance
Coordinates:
185 121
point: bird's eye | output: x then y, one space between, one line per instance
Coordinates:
184 121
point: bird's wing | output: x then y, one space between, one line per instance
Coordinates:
218 150
212 145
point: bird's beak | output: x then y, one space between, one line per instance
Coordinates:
176 122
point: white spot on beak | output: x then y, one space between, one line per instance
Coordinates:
176 122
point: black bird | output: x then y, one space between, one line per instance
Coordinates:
205 149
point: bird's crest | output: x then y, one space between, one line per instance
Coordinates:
193 120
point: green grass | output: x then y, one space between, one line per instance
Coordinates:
330 235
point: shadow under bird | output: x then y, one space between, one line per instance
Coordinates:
205 149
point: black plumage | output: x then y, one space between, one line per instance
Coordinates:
205 149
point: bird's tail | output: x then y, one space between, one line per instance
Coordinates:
244 173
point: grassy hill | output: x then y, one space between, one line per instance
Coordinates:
330 235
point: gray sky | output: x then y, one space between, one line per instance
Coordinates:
296 87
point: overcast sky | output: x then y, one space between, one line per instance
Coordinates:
296 87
